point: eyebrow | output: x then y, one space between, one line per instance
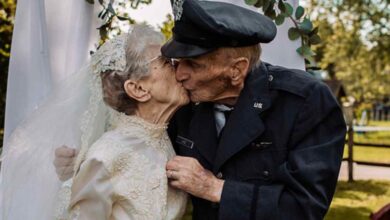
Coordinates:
197 62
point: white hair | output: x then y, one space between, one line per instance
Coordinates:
138 44
140 39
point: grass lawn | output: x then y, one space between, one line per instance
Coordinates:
355 201
379 123
352 201
369 154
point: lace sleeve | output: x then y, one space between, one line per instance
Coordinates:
92 192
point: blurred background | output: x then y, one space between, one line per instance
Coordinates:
352 55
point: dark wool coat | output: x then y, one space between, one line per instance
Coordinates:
280 151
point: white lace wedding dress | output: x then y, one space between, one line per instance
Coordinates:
123 175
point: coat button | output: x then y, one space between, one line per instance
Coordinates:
270 78
266 173
219 175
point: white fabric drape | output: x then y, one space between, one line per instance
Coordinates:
51 39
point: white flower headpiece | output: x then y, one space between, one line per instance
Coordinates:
111 55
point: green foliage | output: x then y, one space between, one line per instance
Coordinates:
279 11
355 46
299 12
166 28
369 154
7 14
110 15
358 199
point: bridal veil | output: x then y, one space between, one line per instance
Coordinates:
73 115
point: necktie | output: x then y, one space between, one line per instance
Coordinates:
221 113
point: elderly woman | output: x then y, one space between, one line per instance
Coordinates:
116 109
122 175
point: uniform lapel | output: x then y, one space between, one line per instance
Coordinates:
203 131
245 124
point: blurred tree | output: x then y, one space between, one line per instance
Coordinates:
7 14
167 26
356 45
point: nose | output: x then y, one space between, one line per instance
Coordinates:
182 72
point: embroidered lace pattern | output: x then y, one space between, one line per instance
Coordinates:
135 154
110 56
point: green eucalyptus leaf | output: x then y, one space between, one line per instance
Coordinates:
279 19
270 12
314 31
305 51
293 33
90 1
306 26
315 39
311 61
100 14
299 12
281 6
103 26
250 2
259 4
122 18
266 5
289 8
299 50
104 15
111 9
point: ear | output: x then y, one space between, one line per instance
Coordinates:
136 90
240 68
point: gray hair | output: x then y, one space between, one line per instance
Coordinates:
137 67
140 38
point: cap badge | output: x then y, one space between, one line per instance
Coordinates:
177 8
258 105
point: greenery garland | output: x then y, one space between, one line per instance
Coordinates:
277 10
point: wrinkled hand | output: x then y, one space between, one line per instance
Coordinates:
64 162
187 174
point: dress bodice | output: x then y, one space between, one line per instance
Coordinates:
124 174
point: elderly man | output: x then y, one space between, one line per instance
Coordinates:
260 142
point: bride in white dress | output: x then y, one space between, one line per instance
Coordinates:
120 170
122 175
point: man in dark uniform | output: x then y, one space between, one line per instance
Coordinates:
262 141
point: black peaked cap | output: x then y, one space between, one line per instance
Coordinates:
203 26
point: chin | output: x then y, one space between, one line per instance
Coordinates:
195 98
187 100
184 101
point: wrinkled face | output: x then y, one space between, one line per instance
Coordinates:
163 85
205 77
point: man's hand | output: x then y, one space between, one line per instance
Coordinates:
64 162
187 174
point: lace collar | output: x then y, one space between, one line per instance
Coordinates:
132 123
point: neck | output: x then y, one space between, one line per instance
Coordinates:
230 97
156 113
